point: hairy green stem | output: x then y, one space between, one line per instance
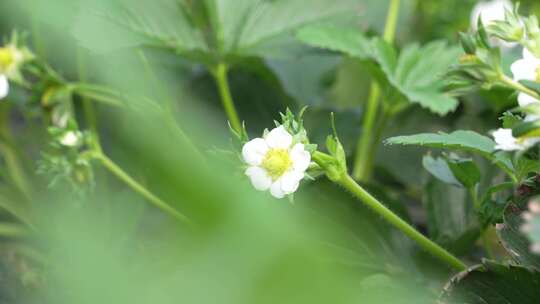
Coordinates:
220 75
362 169
518 86
429 246
133 184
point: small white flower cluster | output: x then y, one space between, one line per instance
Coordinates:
527 68
531 227
276 163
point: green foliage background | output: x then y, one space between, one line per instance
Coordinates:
111 247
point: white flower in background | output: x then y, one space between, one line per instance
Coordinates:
275 163
11 58
507 142
527 68
4 86
489 11
531 225
70 138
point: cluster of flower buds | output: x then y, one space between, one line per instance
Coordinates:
67 160
481 67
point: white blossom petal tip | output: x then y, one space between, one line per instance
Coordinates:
279 138
4 86
254 151
70 139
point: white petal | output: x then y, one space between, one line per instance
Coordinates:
524 70
490 11
525 100
506 141
254 151
276 190
4 86
527 55
531 118
70 139
290 181
259 178
279 138
300 158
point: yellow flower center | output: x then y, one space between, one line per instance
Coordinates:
276 162
6 59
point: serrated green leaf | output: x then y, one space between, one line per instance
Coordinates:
417 72
494 284
513 240
457 140
328 36
105 25
270 19
206 32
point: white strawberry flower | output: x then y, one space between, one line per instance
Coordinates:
276 163
11 59
507 142
527 68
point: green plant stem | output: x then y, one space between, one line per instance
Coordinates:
429 246
362 169
133 184
518 86
13 164
99 97
13 230
220 75
391 21
88 107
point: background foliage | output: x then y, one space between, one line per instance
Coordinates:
109 246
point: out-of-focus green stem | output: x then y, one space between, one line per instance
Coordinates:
429 246
170 110
220 75
13 164
12 230
391 21
362 168
88 107
109 100
133 184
